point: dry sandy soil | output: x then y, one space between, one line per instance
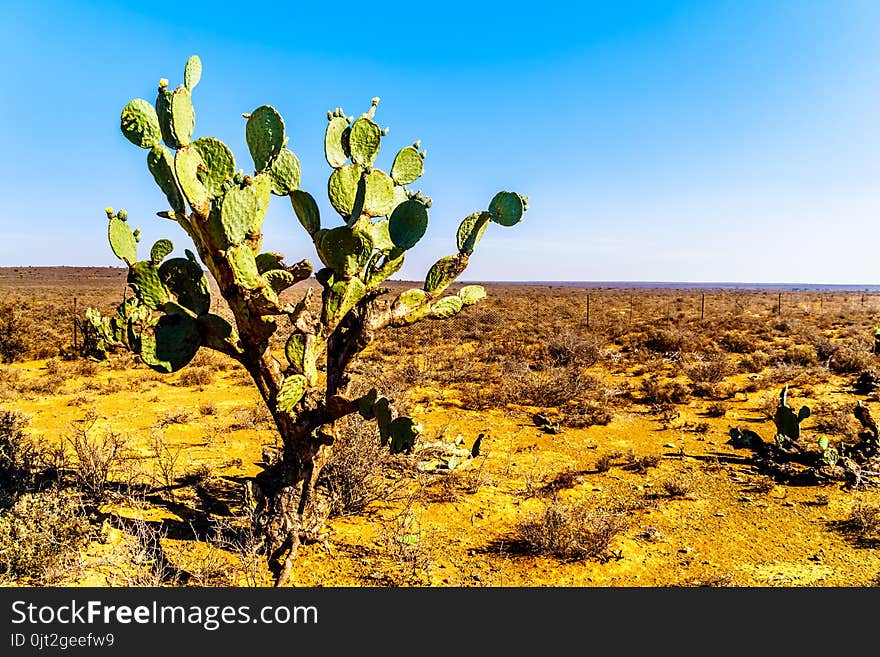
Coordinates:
688 508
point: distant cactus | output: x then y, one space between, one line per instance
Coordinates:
222 210
788 423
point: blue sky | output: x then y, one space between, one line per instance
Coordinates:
676 141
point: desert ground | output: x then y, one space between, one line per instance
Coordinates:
606 457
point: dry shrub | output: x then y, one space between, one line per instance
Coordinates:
96 458
196 376
352 476
571 531
678 487
803 355
716 409
737 342
852 356
641 463
586 414
568 348
711 370
39 533
177 415
668 392
669 340
13 346
754 362
18 458
834 419
863 521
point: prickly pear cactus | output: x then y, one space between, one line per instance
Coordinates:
222 208
788 423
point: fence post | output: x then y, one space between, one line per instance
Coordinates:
75 348
630 309
779 304
702 305
588 311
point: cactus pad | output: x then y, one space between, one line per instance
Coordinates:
345 251
161 165
471 230
446 307
381 237
160 250
265 136
140 124
408 223
342 188
471 294
382 412
378 193
295 351
306 210
285 173
173 344
192 73
219 164
364 141
186 281
279 279
292 390
244 208
215 330
267 261
183 116
189 167
403 432
335 148
143 277
122 241
340 298
507 208
244 267
408 166
443 272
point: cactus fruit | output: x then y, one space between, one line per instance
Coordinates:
222 210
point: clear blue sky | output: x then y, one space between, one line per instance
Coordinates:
677 141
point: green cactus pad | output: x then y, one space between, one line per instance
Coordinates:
471 230
408 223
143 277
444 272
342 188
189 167
219 164
186 281
265 136
163 113
279 279
215 330
403 432
306 210
340 298
295 351
345 251
366 403
471 294
400 195
335 149
160 250
285 173
161 165
446 307
292 390
183 116
364 141
244 267
267 261
192 73
507 208
122 241
408 301
392 264
408 166
140 124
173 344
382 413
244 208
380 236
378 193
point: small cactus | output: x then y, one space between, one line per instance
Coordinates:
788 423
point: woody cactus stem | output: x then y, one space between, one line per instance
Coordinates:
221 209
